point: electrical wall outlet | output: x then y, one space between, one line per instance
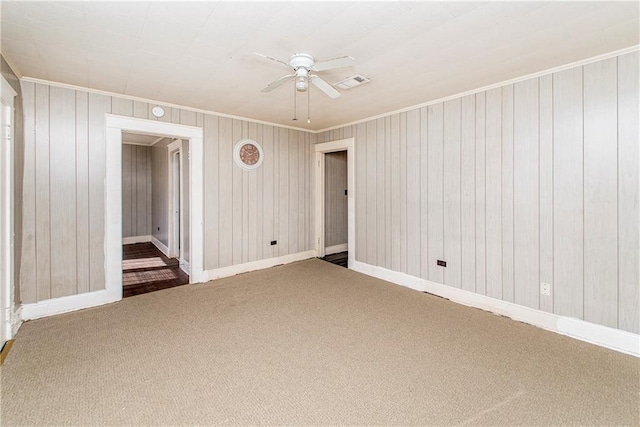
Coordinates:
274 242
442 263
545 289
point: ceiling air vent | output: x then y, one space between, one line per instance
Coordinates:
352 82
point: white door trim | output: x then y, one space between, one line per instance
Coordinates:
173 148
113 193
7 275
330 147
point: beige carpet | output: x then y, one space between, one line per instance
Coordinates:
307 343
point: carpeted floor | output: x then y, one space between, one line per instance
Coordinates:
307 343
146 269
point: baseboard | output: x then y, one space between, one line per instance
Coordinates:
61 305
161 246
614 339
16 320
185 266
336 249
135 239
232 270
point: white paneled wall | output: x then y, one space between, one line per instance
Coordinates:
531 182
245 210
628 192
64 173
137 190
63 199
335 199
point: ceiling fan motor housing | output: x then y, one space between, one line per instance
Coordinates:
301 60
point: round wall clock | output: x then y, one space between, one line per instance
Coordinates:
248 154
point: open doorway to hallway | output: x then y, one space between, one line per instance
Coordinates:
335 201
155 213
335 208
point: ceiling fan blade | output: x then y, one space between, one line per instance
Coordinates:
329 90
272 59
276 84
329 64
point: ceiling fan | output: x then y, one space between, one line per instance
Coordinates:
303 65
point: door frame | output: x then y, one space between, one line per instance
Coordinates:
176 147
7 279
321 149
115 125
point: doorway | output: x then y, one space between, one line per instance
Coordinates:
153 229
335 208
116 127
335 201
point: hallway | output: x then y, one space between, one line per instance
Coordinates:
341 259
146 269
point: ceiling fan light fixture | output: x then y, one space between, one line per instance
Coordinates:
302 83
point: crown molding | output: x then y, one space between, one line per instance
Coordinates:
13 67
580 63
494 85
160 103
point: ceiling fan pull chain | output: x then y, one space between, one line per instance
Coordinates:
309 106
295 107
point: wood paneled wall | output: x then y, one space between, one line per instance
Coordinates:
531 182
335 199
63 190
137 190
246 210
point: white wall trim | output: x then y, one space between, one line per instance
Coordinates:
113 192
173 148
184 266
336 249
614 339
7 204
152 127
16 320
54 306
156 102
321 149
135 239
13 67
580 63
142 144
161 246
232 270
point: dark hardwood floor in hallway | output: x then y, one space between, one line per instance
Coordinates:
146 269
340 259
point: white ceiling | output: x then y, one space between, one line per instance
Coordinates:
200 54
